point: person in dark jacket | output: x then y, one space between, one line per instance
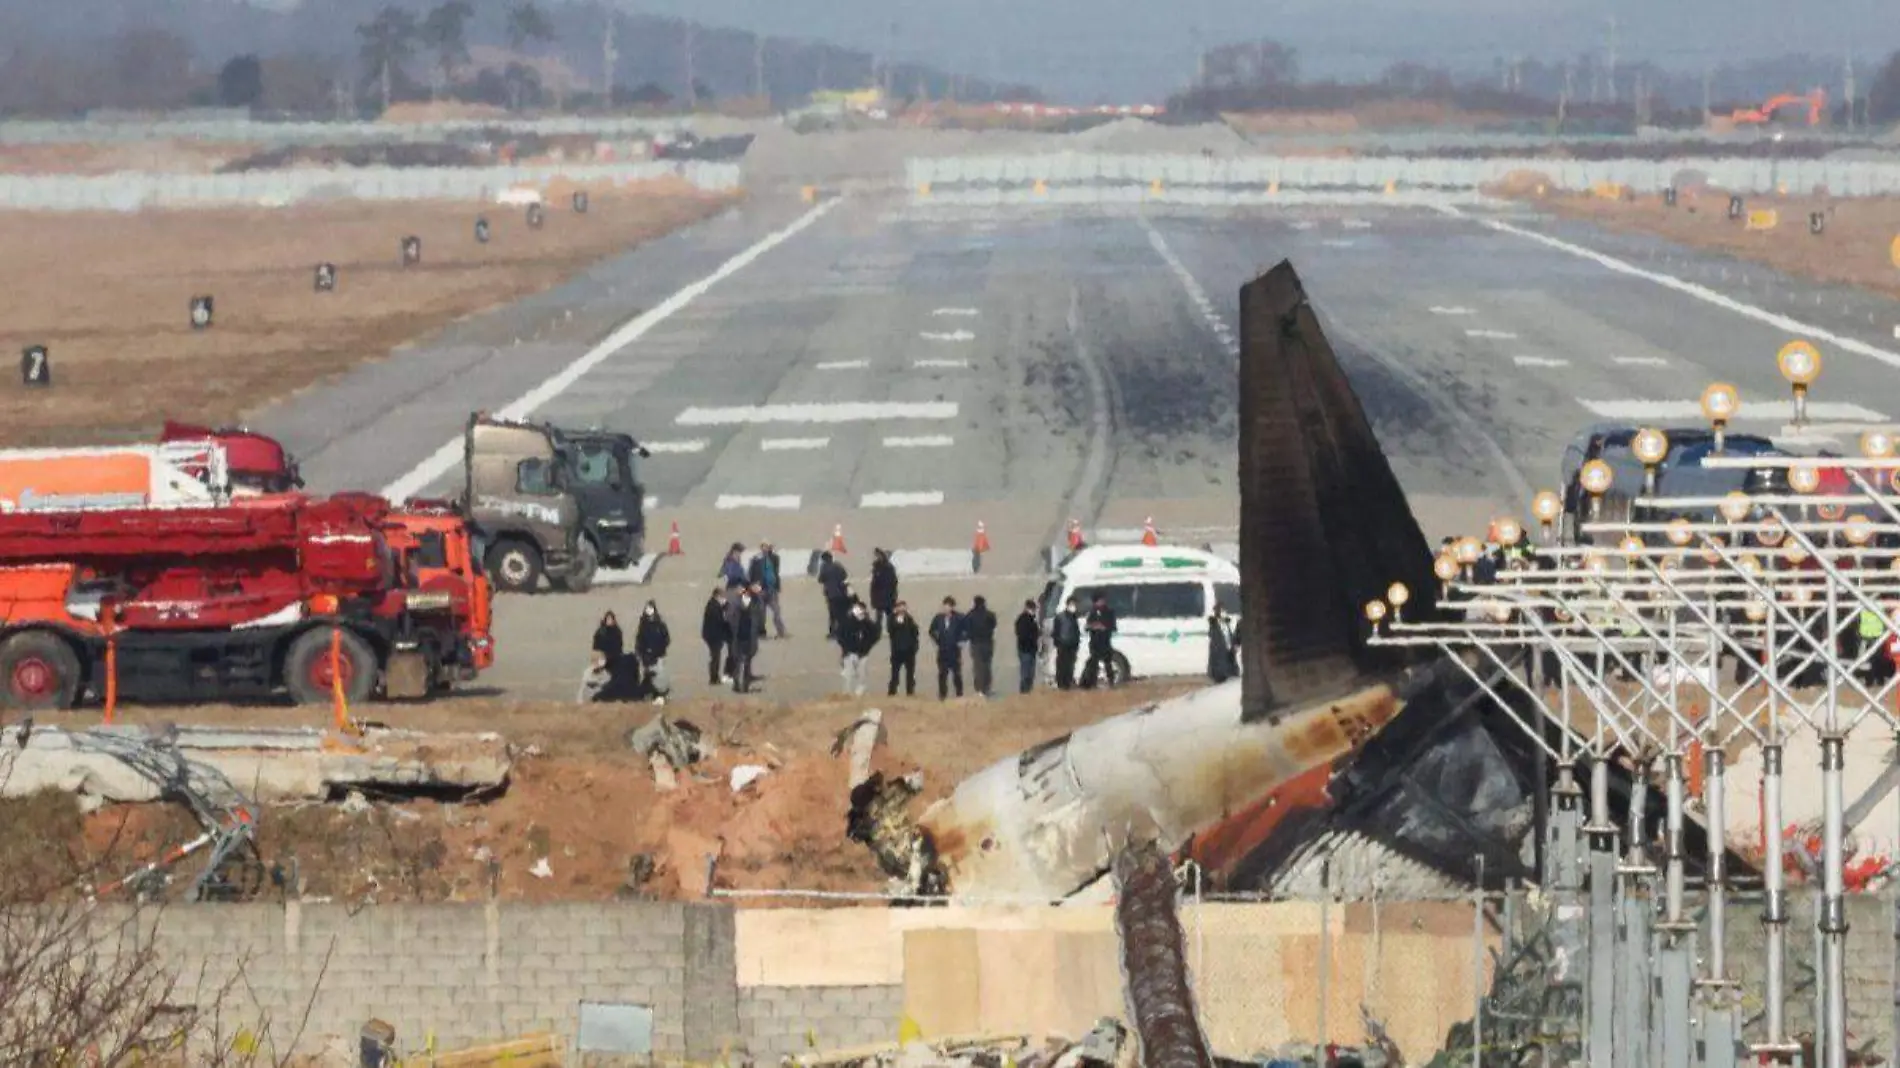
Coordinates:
831 581
764 572
946 632
1028 644
608 640
716 632
903 631
624 683
883 585
747 622
858 638
736 605
1065 633
1100 626
651 639
732 569
1222 663
979 629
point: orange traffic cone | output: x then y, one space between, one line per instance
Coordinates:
837 539
982 542
1148 536
673 541
1075 535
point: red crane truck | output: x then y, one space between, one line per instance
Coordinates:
215 603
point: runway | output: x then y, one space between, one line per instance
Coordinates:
900 371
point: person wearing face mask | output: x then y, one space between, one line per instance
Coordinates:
1028 644
1065 633
946 631
903 632
747 620
608 640
715 629
857 639
650 641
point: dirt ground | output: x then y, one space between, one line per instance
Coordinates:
584 802
109 295
1855 249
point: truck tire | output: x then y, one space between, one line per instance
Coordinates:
38 671
586 563
514 567
307 667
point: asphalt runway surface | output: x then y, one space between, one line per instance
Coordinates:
900 371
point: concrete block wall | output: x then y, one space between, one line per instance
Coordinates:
1871 950
783 1020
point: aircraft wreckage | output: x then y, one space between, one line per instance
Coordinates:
1327 748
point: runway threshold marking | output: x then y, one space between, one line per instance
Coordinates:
1539 361
940 363
1784 323
444 459
730 501
1495 335
1454 310
1642 361
674 446
954 335
844 365
793 444
927 441
961 312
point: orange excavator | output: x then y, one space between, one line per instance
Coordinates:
1816 99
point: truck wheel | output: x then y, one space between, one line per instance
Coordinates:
515 566
586 563
38 671
307 670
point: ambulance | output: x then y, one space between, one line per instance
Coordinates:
1162 596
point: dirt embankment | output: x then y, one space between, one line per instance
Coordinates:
582 802
1856 246
110 294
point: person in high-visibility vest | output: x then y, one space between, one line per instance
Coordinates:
1873 628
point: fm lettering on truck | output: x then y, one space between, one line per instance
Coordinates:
539 513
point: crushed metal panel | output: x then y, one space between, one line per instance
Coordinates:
1324 524
615 1027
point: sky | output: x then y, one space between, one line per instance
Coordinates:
1136 51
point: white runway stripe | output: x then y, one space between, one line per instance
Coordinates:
843 365
1538 361
964 312
789 444
954 335
729 501
1642 361
842 412
901 500
1777 410
1496 335
940 363
673 446
1456 310
928 441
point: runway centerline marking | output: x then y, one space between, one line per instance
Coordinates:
923 499
1703 293
841 412
927 441
445 459
791 444
1198 296
729 501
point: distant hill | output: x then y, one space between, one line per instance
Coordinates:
66 56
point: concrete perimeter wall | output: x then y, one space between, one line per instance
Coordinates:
773 982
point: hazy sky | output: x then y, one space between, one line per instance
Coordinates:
1137 50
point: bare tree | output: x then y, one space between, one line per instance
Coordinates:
387 42
445 31
526 25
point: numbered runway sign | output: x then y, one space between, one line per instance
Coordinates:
481 231
200 312
580 201
36 368
411 251
326 277
534 216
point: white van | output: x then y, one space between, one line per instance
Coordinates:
1161 596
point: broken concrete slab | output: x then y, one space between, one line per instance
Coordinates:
273 764
676 741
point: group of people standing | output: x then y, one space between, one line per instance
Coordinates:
614 674
734 621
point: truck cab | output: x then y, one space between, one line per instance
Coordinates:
552 502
